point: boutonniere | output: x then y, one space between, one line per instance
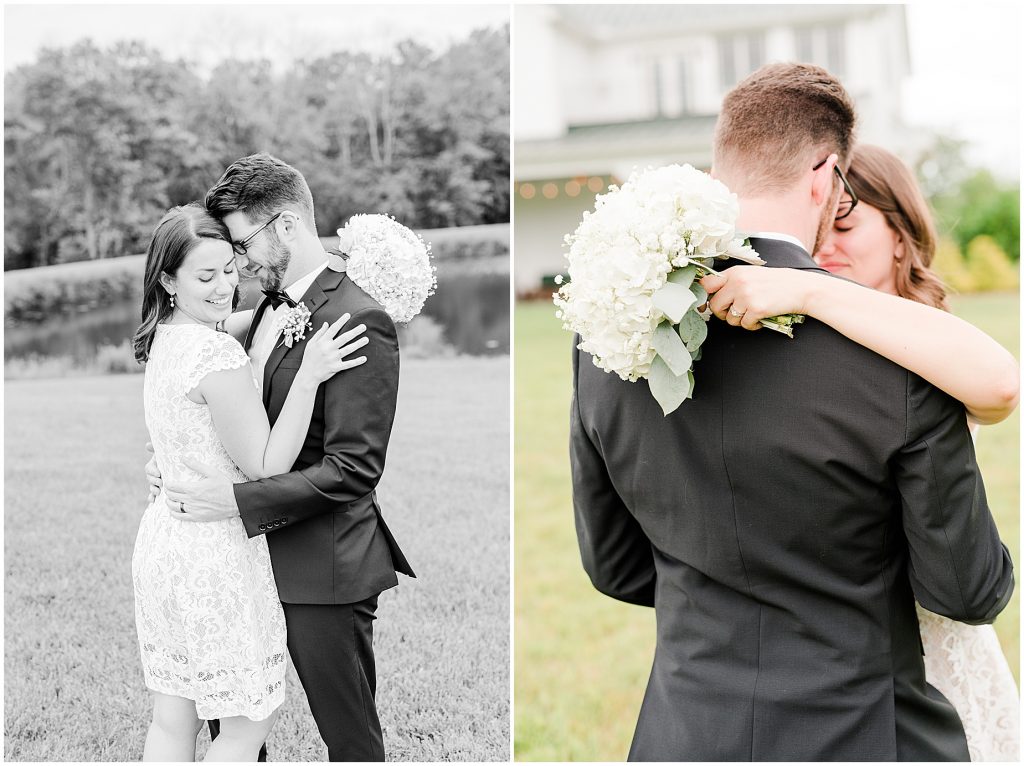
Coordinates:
294 324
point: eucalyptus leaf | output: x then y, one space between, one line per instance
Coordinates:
673 300
692 330
671 348
668 389
698 354
683 276
699 293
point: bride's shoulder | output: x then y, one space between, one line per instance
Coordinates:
197 350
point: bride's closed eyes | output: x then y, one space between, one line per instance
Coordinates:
229 268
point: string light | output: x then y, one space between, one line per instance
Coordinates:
571 188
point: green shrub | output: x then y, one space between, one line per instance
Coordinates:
951 267
989 265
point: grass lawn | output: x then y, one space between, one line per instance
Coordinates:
582 659
73 687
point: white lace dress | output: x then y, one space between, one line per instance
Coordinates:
210 625
967 664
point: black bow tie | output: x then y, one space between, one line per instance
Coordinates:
277 297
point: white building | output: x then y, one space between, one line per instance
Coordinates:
601 89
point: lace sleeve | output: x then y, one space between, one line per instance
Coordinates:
215 351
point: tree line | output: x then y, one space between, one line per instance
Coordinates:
100 142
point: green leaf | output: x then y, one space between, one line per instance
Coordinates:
668 389
673 300
671 348
699 293
697 355
692 330
683 276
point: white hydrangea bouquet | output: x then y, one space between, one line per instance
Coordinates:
390 262
634 263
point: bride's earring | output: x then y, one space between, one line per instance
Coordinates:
172 300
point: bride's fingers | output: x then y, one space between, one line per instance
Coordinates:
348 364
734 316
720 303
346 350
751 321
338 324
348 335
712 283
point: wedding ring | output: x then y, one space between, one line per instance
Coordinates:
736 313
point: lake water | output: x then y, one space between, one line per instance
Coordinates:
472 310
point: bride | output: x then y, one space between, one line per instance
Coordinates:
884 239
210 625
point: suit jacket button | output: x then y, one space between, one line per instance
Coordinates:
263 526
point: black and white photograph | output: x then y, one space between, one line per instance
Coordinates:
256 376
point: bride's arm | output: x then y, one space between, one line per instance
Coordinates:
951 354
238 413
237 325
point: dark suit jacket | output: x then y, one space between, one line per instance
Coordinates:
327 539
781 523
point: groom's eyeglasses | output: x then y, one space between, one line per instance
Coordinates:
845 206
242 247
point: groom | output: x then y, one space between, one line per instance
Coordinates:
331 551
783 521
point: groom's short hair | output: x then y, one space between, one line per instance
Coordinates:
780 121
260 186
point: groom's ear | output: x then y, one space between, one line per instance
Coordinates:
822 181
289 224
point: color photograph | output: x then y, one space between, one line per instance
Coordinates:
762 512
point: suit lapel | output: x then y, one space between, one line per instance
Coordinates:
314 298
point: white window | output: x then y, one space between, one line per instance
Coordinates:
822 45
738 56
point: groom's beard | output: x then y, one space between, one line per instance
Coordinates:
278 258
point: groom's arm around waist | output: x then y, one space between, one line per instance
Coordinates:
358 412
615 551
959 568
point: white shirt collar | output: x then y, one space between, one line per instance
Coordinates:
777 235
298 288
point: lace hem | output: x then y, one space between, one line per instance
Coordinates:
218 693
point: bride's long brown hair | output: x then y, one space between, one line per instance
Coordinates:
882 180
180 230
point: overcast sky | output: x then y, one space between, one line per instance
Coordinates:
965 78
965 57
206 34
